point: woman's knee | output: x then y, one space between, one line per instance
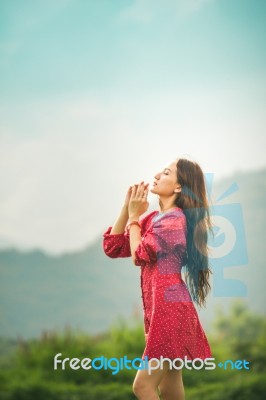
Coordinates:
171 387
138 387
164 390
141 388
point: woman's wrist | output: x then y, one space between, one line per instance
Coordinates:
133 217
133 223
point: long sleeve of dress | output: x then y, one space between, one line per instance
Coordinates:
116 244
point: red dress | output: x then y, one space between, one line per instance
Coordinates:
171 324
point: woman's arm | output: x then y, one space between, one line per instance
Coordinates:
134 238
120 224
138 204
116 241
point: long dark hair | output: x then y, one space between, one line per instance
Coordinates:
193 200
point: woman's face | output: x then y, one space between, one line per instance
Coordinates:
165 183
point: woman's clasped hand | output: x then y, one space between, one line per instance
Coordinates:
136 199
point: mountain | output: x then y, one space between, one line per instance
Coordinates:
88 291
248 192
85 290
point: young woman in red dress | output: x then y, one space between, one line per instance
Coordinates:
161 243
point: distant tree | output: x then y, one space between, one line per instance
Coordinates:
244 332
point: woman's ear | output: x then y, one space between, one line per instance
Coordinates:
178 189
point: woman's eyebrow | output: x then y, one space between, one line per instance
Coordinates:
166 169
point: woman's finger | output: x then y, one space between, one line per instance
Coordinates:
140 189
133 191
146 190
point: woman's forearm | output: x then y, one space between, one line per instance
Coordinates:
120 224
134 239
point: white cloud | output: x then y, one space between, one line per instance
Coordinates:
65 165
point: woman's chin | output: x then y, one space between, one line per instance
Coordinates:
153 190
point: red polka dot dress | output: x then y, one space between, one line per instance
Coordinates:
171 324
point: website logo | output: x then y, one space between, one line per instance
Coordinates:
228 247
117 364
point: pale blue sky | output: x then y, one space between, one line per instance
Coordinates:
98 94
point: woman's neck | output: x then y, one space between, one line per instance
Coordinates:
166 204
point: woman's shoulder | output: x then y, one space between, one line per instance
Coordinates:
173 213
157 218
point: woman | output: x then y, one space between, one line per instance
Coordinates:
161 243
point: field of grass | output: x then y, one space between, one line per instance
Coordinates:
27 366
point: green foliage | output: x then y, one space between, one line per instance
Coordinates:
50 391
244 333
239 388
27 371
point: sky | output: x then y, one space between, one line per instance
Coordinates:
96 95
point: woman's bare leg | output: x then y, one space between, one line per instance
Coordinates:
171 386
145 385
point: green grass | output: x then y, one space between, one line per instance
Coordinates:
27 373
